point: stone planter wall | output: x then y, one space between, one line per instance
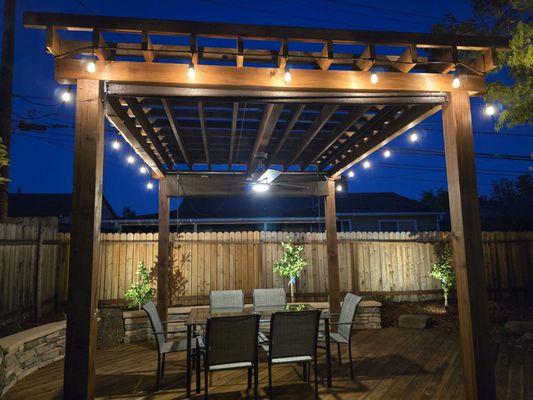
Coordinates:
27 351
136 324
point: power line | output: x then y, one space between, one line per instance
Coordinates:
440 153
429 168
396 11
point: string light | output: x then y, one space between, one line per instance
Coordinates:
143 170
91 67
366 164
490 110
115 145
456 82
338 188
374 78
191 71
287 77
130 160
149 186
351 174
386 153
413 137
66 96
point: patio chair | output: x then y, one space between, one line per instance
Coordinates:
173 346
269 297
293 339
231 343
344 326
226 299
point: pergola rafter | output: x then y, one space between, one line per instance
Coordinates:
237 104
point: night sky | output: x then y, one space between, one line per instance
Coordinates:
43 161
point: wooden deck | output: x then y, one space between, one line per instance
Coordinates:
389 364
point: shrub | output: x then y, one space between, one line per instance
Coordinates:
141 292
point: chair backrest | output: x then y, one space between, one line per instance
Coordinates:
348 310
269 297
293 334
226 299
155 323
232 339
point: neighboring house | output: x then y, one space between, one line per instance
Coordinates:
52 205
355 212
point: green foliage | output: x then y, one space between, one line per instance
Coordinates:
141 292
4 161
507 18
292 263
443 271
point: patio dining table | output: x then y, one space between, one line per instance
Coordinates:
199 316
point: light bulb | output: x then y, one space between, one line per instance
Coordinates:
374 78
191 72
149 186
351 174
338 188
456 83
115 145
413 137
287 77
366 164
91 67
260 187
130 160
66 96
386 153
490 110
143 170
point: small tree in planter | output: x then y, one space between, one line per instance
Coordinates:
291 264
443 271
141 292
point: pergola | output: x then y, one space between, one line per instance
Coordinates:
206 132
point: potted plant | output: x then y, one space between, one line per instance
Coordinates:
141 292
443 271
291 264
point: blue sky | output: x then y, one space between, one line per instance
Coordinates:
42 162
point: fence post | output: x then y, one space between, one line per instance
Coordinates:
38 274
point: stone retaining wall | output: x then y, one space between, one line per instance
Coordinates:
27 351
136 324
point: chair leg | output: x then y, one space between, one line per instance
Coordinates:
350 355
163 366
270 380
256 380
158 372
249 378
339 353
316 378
206 379
304 372
198 373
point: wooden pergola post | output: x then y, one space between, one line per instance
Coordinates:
84 243
332 248
163 245
478 360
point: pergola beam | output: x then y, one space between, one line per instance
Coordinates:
203 129
297 111
233 134
169 111
252 78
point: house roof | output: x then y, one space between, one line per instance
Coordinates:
48 205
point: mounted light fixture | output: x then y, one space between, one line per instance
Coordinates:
287 77
374 78
191 72
456 82
260 187
91 67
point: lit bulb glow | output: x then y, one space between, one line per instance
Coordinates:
130 160
413 137
260 187
490 110
351 174
66 96
374 78
456 83
115 145
191 72
386 153
91 67
339 188
143 170
149 186
366 164
287 77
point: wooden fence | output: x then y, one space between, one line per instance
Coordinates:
34 264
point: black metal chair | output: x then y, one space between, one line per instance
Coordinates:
226 299
293 339
172 346
231 343
344 326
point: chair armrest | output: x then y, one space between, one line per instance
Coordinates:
342 323
166 332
